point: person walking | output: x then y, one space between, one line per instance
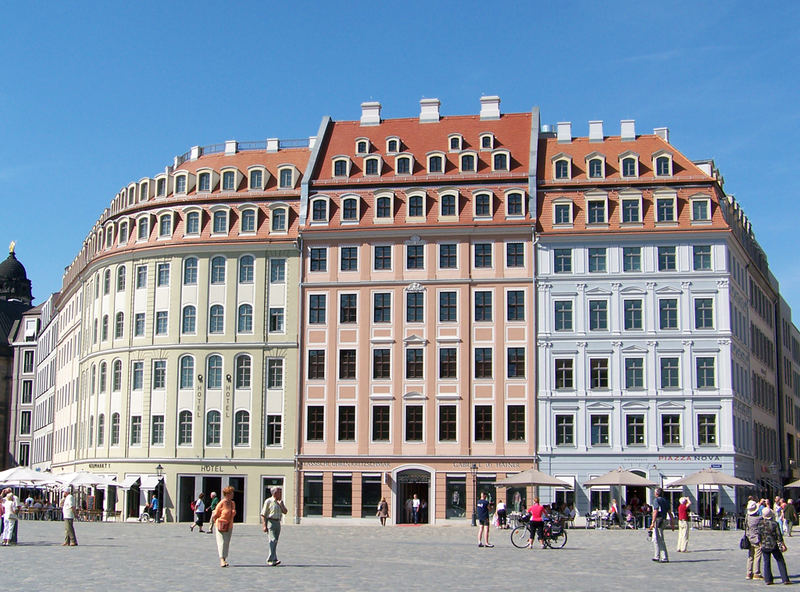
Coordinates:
211 507
271 513
222 517
683 524
772 545
482 511
751 532
10 518
415 503
790 513
383 511
199 512
660 515
68 512
154 505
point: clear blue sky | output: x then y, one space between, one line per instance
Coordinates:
95 95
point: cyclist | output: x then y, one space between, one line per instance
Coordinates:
538 513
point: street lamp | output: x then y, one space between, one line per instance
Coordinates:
474 470
159 493
159 470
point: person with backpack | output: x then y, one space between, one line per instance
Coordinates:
199 509
660 515
222 518
772 545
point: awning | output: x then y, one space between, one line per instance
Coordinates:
567 479
150 482
128 482
666 482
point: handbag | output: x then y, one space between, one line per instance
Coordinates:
782 547
744 543
223 525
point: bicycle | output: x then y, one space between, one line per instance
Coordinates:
555 536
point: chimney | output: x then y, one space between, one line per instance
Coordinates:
429 110
231 147
564 132
627 130
273 144
490 107
595 131
663 133
194 153
370 113
312 141
705 166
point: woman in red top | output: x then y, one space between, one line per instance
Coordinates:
537 513
683 525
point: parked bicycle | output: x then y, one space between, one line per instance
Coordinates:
555 536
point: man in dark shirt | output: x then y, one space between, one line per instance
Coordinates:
660 514
482 511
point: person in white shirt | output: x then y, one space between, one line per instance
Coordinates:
68 511
415 503
271 513
10 518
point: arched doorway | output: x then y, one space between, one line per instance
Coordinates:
410 483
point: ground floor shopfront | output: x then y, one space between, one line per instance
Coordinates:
662 469
178 484
446 488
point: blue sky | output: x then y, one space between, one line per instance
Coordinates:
95 95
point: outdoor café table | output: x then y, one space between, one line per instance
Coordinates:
697 522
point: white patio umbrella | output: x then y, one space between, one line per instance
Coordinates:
23 476
533 477
711 477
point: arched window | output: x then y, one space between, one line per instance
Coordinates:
101 429
243 366
628 167
562 169
123 233
121 272
415 206
190 271
187 372
189 319
185 428
468 163
350 209
244 322
256 179
435 164
228 181
403 165
119 325
279 216
180 184
483 205
340 168
213 428
220 222
249 219
193 223
501 162
216 319
241 428
103 374
107 281
383 207
204 182
214 373
115 429
663 166
116 375
319 210
246 269
165 225
143 230
371 166
218 270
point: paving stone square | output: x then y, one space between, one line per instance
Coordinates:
355 557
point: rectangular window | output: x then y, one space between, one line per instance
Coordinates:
25 422
381 363
319 259
515 421
515 255
596 211
483 306
631 259
665 209
141 276
703 313
162 276
382 258
483 423
382 307
670 430
565 430
700 210
380 423
27 392
631 211
347 423
347 308
598 373
137 376
413 423
447 423
415 257
162 322
633 315
136 430
598 315
516 362
670 373
562 213
316 364
667 260
597 260
701 258
447 257
27 361
276 320
447 362
447 307
634 373
277 271
562 260
315 423
515 305
563 315
157 430
705 373
317 306
275 430
483 255
668 313
275 373
707 430
415 307
159 374
483 362
564 374
347 364
414 363
634 430
599 435
349 259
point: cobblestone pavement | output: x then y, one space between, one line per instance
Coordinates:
352 557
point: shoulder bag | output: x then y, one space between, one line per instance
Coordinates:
744 543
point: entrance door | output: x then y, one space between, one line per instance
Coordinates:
133 502
409 483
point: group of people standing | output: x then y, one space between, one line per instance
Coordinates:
766 525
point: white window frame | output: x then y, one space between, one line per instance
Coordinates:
287 167
630 196
489 135
312 202
167 184
460 139
399 145
264 177
380 165
700 197
508 160
348 166
659 154
424 196
213 179
591 196
342 201
144 190
237 178
145 217
362 152
457 196
378 195
220 208
272 209
506 195
596 156
461 156
561 157
410 158
657 195
186 212
635 157
475 194
171 225
434 154
189 182
247 208
560 201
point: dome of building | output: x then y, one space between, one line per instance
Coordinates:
14 282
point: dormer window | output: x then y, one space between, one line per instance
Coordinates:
247 221
131 197
123 233
392 145
204 182
286 177
383 207
372 166
500 161
448 205
487 141
143 228
455 142
228 181
435 163
514 204
350 209
165 226
180 184
319 210
596 168
701 208
662 164
666 207
416 206
219 222
256 179
341 167
562 213
630 210
109 236
468 163
629 165
483 205
143 191
362 146
562 169
280 216
403 165
161 187
597 209
192 223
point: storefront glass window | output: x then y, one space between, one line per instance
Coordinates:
486 484
456 496
312 495
343 495
370 495
517 500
